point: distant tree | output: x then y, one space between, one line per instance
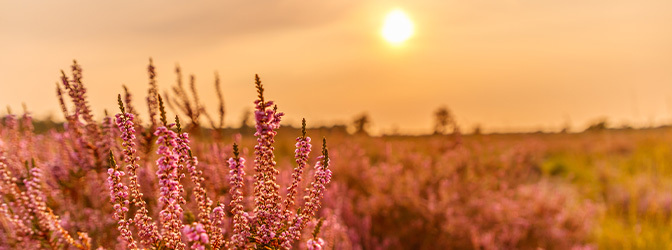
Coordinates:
598 125
361 124
444 122
477 130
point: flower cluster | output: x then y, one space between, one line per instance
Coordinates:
266 190
301 153
315 244
147 230
196 236
312 200
241 227
119 197
33 224
170 188
266 226
186 158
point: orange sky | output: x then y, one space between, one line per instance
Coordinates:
508 65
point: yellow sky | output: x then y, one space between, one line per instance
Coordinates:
508 65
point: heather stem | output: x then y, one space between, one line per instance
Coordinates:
186 157
148 231
267 195
241 229
119 197
301 154
170 188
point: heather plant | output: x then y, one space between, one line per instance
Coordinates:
271 224
84 131
72 159
30 222
444 122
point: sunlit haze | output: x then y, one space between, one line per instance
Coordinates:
513 65
397 28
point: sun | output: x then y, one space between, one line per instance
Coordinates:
397 28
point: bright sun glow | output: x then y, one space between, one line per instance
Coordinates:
397 28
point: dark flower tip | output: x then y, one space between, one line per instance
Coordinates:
325 152
318 227
260 90
113 163
303 128
162 108
121 104
177 123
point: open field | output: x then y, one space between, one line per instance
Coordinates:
606 189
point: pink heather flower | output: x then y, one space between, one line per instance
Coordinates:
83 154
315 192
196 235
267 191
17 228
27 143
292 233
322 177
301 153
170 188
185 157
11 128
77 93
21 218
315 244
303 148
11 122
147 230
30 224
218 214
27 124
119 197
33 199
240 223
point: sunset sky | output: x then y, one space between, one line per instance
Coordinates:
510 65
